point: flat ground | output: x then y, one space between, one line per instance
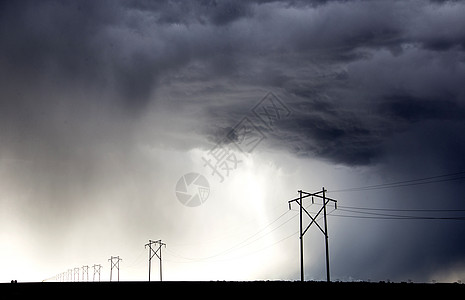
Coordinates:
226 289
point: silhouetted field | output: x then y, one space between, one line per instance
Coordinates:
225 288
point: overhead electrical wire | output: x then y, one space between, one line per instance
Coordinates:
404 183
245 242
402 209
399 216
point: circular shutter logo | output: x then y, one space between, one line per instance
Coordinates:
192 189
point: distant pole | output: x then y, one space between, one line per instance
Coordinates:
97 269
153 252
85 270
76 272
114 262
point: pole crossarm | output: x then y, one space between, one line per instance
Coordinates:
312 195
322 195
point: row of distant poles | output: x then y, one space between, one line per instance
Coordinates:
73 274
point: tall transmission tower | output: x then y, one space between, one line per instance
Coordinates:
153 252
320 194
97 269
114 261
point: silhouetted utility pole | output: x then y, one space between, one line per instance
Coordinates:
97 269
153 252
76 272
320 194
85 271
114 260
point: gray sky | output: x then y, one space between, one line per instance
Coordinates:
105 105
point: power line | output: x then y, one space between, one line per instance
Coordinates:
244 244
398 217
403 209
233 231
247 241
241 244
238 246
404 183
191 260
138 260
397 213
261 249
273 244
385 216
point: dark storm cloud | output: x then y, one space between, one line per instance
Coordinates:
355 73
356 136
84 44
204 11
320 54
371 100
412 109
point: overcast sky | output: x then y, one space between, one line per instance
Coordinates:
105 105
